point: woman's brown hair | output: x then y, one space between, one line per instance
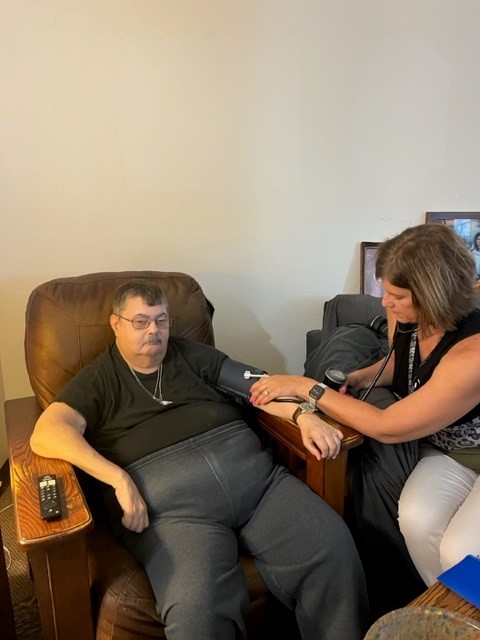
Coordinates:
432 262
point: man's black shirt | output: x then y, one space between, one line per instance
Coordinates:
124 423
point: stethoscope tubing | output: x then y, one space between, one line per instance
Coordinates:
385 361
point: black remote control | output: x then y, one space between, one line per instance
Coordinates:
48 497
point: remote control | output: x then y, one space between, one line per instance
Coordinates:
48 497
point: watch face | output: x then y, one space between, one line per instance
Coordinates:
308 407
304 407
316 392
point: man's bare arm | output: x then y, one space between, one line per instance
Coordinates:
59 433
319 437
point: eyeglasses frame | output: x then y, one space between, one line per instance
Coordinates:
168 320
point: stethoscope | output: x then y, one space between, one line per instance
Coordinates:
248 374
398 331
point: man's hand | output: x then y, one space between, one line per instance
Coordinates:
319 437
135 515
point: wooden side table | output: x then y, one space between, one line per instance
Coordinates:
440 596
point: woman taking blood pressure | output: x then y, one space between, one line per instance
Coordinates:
434 371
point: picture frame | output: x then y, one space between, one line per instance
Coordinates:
368 258
466 225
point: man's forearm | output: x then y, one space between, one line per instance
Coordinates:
59 434
280 409
63 441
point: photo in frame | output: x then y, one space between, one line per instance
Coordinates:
368 258
466 224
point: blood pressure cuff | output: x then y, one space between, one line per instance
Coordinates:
234 378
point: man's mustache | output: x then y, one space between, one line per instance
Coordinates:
153 339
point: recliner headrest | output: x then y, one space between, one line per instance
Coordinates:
67 322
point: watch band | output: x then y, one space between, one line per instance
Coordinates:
317 391
304 407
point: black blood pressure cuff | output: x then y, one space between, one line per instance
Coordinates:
236 378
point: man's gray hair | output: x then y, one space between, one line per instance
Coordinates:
148 290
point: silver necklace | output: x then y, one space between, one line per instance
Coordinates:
157 392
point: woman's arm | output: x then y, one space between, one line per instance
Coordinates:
452 391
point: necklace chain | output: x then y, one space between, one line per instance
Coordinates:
157 392
413 384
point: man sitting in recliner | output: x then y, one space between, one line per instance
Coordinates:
188 485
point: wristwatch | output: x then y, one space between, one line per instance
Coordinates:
304 407
316 392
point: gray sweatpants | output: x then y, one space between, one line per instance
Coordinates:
218 493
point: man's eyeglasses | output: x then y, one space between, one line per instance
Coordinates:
143 322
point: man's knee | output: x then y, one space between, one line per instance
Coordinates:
204 609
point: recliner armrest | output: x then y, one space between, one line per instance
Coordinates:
313 340
326 477
25 467
57 549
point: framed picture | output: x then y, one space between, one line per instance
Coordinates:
368 283
466 224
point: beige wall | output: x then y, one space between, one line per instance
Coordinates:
3 435
251 144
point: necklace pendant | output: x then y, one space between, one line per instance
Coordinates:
157 392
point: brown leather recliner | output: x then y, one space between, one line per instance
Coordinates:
88 585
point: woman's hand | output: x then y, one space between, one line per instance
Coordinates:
352 383
356 381
319 437
279 386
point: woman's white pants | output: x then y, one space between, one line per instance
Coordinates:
439 513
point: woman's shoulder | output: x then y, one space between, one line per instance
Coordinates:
467 348
469 325
463 342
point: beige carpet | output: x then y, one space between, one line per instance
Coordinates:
27 620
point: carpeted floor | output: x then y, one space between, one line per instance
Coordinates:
27 620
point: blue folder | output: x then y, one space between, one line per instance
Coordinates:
464 579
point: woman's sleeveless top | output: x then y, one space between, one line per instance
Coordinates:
410 374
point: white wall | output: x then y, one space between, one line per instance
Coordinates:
252 144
